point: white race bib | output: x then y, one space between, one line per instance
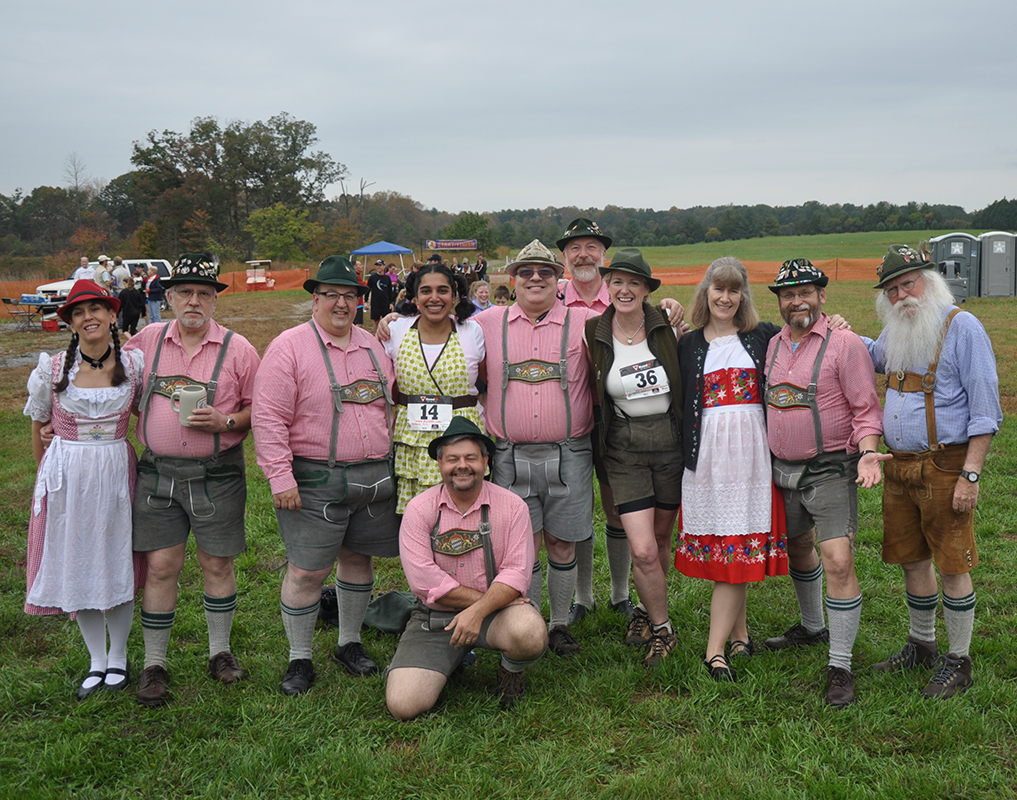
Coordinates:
644 379
429 413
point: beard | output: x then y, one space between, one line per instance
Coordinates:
912 327
585 269
802 324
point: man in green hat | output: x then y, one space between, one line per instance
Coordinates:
942 410
823 427
191 475
323 437
467 550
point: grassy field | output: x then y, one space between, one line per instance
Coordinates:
596 725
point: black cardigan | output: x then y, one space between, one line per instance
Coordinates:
692 349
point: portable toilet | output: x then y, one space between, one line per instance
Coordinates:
997 272
957 256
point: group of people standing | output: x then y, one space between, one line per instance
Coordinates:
377 447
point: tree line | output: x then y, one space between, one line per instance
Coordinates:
248 190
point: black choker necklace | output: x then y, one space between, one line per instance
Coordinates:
96 363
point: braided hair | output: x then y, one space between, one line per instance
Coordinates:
71 353
464 306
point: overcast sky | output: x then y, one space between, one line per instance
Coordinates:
486 106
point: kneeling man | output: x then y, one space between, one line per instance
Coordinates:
467 551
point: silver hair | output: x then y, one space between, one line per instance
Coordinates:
910 341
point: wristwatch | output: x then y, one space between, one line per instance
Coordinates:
971 476
232 423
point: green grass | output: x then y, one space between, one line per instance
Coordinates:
594 726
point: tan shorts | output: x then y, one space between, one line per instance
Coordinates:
644 460
918 517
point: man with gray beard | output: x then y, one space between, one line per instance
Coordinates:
823 427
942 410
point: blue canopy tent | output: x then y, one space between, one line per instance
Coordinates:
384 249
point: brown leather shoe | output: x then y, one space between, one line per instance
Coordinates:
561 642
840 687
953 677
640 631
511 687
153 689
224 668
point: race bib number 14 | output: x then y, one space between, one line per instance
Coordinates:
428 413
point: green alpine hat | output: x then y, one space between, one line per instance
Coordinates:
460 426
583 227
630 259
195 268
336 270
900 259
798 271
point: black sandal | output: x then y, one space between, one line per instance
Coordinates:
742 649
720 670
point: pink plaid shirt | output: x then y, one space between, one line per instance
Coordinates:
166 436
432 575
293 403
849 408
600 304
535 412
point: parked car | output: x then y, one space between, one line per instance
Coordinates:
58 290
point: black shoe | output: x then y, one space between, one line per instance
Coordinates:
740 649
298 678
624 607
83 692
353 656
119 686
797 636
720 670
579 612
840 687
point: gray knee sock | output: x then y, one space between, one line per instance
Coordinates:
844 616
959 615
561 585
809 590
299 624
619 560
536 590
155 629
584 572
219 616
922 614
353 601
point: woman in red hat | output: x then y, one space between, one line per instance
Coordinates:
80 559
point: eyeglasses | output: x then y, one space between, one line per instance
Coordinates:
904 286
528 272
333 297
203 295
805 294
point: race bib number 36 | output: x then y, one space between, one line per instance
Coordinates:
429 413
644 379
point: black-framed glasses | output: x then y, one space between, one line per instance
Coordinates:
333 297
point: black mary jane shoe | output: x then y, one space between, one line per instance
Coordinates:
84 692
720 670
121 685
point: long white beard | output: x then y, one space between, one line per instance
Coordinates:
910 342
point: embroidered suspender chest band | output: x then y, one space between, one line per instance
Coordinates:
788 395
536 371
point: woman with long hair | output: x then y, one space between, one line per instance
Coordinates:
437 354
80 559
729 532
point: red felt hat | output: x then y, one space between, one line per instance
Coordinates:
85 291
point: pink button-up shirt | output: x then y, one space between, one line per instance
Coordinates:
433 575
849 408
600 304
162 432
535 412
292 413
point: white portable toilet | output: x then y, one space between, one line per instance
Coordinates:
997 264
957 257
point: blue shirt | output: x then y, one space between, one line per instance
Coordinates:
966 394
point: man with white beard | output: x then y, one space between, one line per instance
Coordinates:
942 410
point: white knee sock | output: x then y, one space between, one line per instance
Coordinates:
92 625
